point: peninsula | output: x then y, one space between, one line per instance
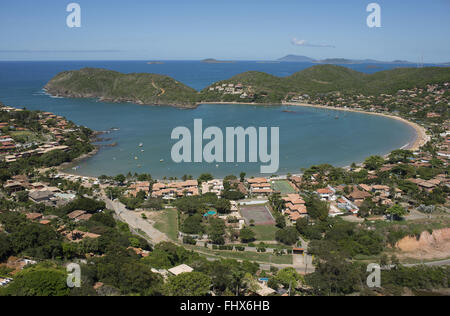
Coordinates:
249 87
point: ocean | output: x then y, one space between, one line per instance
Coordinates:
308 136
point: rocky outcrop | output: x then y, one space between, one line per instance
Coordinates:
439 241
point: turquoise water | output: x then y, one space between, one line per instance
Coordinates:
309 136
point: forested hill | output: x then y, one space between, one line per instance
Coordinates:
111 86
251 86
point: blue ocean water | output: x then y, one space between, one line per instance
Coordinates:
307 137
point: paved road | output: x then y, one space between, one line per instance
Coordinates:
135 221
431 264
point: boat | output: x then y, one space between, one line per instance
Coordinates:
141 145
162 160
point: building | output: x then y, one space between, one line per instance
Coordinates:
181 269
175 190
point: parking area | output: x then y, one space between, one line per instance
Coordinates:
260 214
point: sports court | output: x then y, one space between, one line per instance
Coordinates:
283 186
258 213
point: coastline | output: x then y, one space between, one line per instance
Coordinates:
421 137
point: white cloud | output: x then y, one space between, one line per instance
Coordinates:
304 43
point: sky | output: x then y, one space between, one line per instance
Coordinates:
232 29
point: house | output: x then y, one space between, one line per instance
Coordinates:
213 186
380 189
13 186
357 196
327 194
137 187
294 207
257 181
79 216
181 269
41 196
34 216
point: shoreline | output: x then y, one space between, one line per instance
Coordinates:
421 137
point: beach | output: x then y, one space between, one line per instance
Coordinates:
421 133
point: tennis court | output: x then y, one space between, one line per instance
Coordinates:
260 214
283 186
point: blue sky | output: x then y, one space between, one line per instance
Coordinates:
232 29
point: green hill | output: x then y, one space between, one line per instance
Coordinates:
320 79
113 86
250 86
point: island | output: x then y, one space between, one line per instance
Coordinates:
215 61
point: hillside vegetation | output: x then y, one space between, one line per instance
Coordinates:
151 89
323 79
257 87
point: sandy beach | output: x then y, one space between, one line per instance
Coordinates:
421 133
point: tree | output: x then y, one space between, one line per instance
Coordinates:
396 212
281 221
38 281
216 231
193 225
317 209
205 177
188 284
242 176
223 206
5 247
247 235
374 162
120 179
288 235
400 156
22 196
288 277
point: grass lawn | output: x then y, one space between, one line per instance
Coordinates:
264 233
283 186
249 256
167 222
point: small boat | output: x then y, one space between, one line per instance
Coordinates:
141 145
136 158
162 160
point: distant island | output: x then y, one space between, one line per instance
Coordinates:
249 87
341 61
296 58
155 63
215 61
